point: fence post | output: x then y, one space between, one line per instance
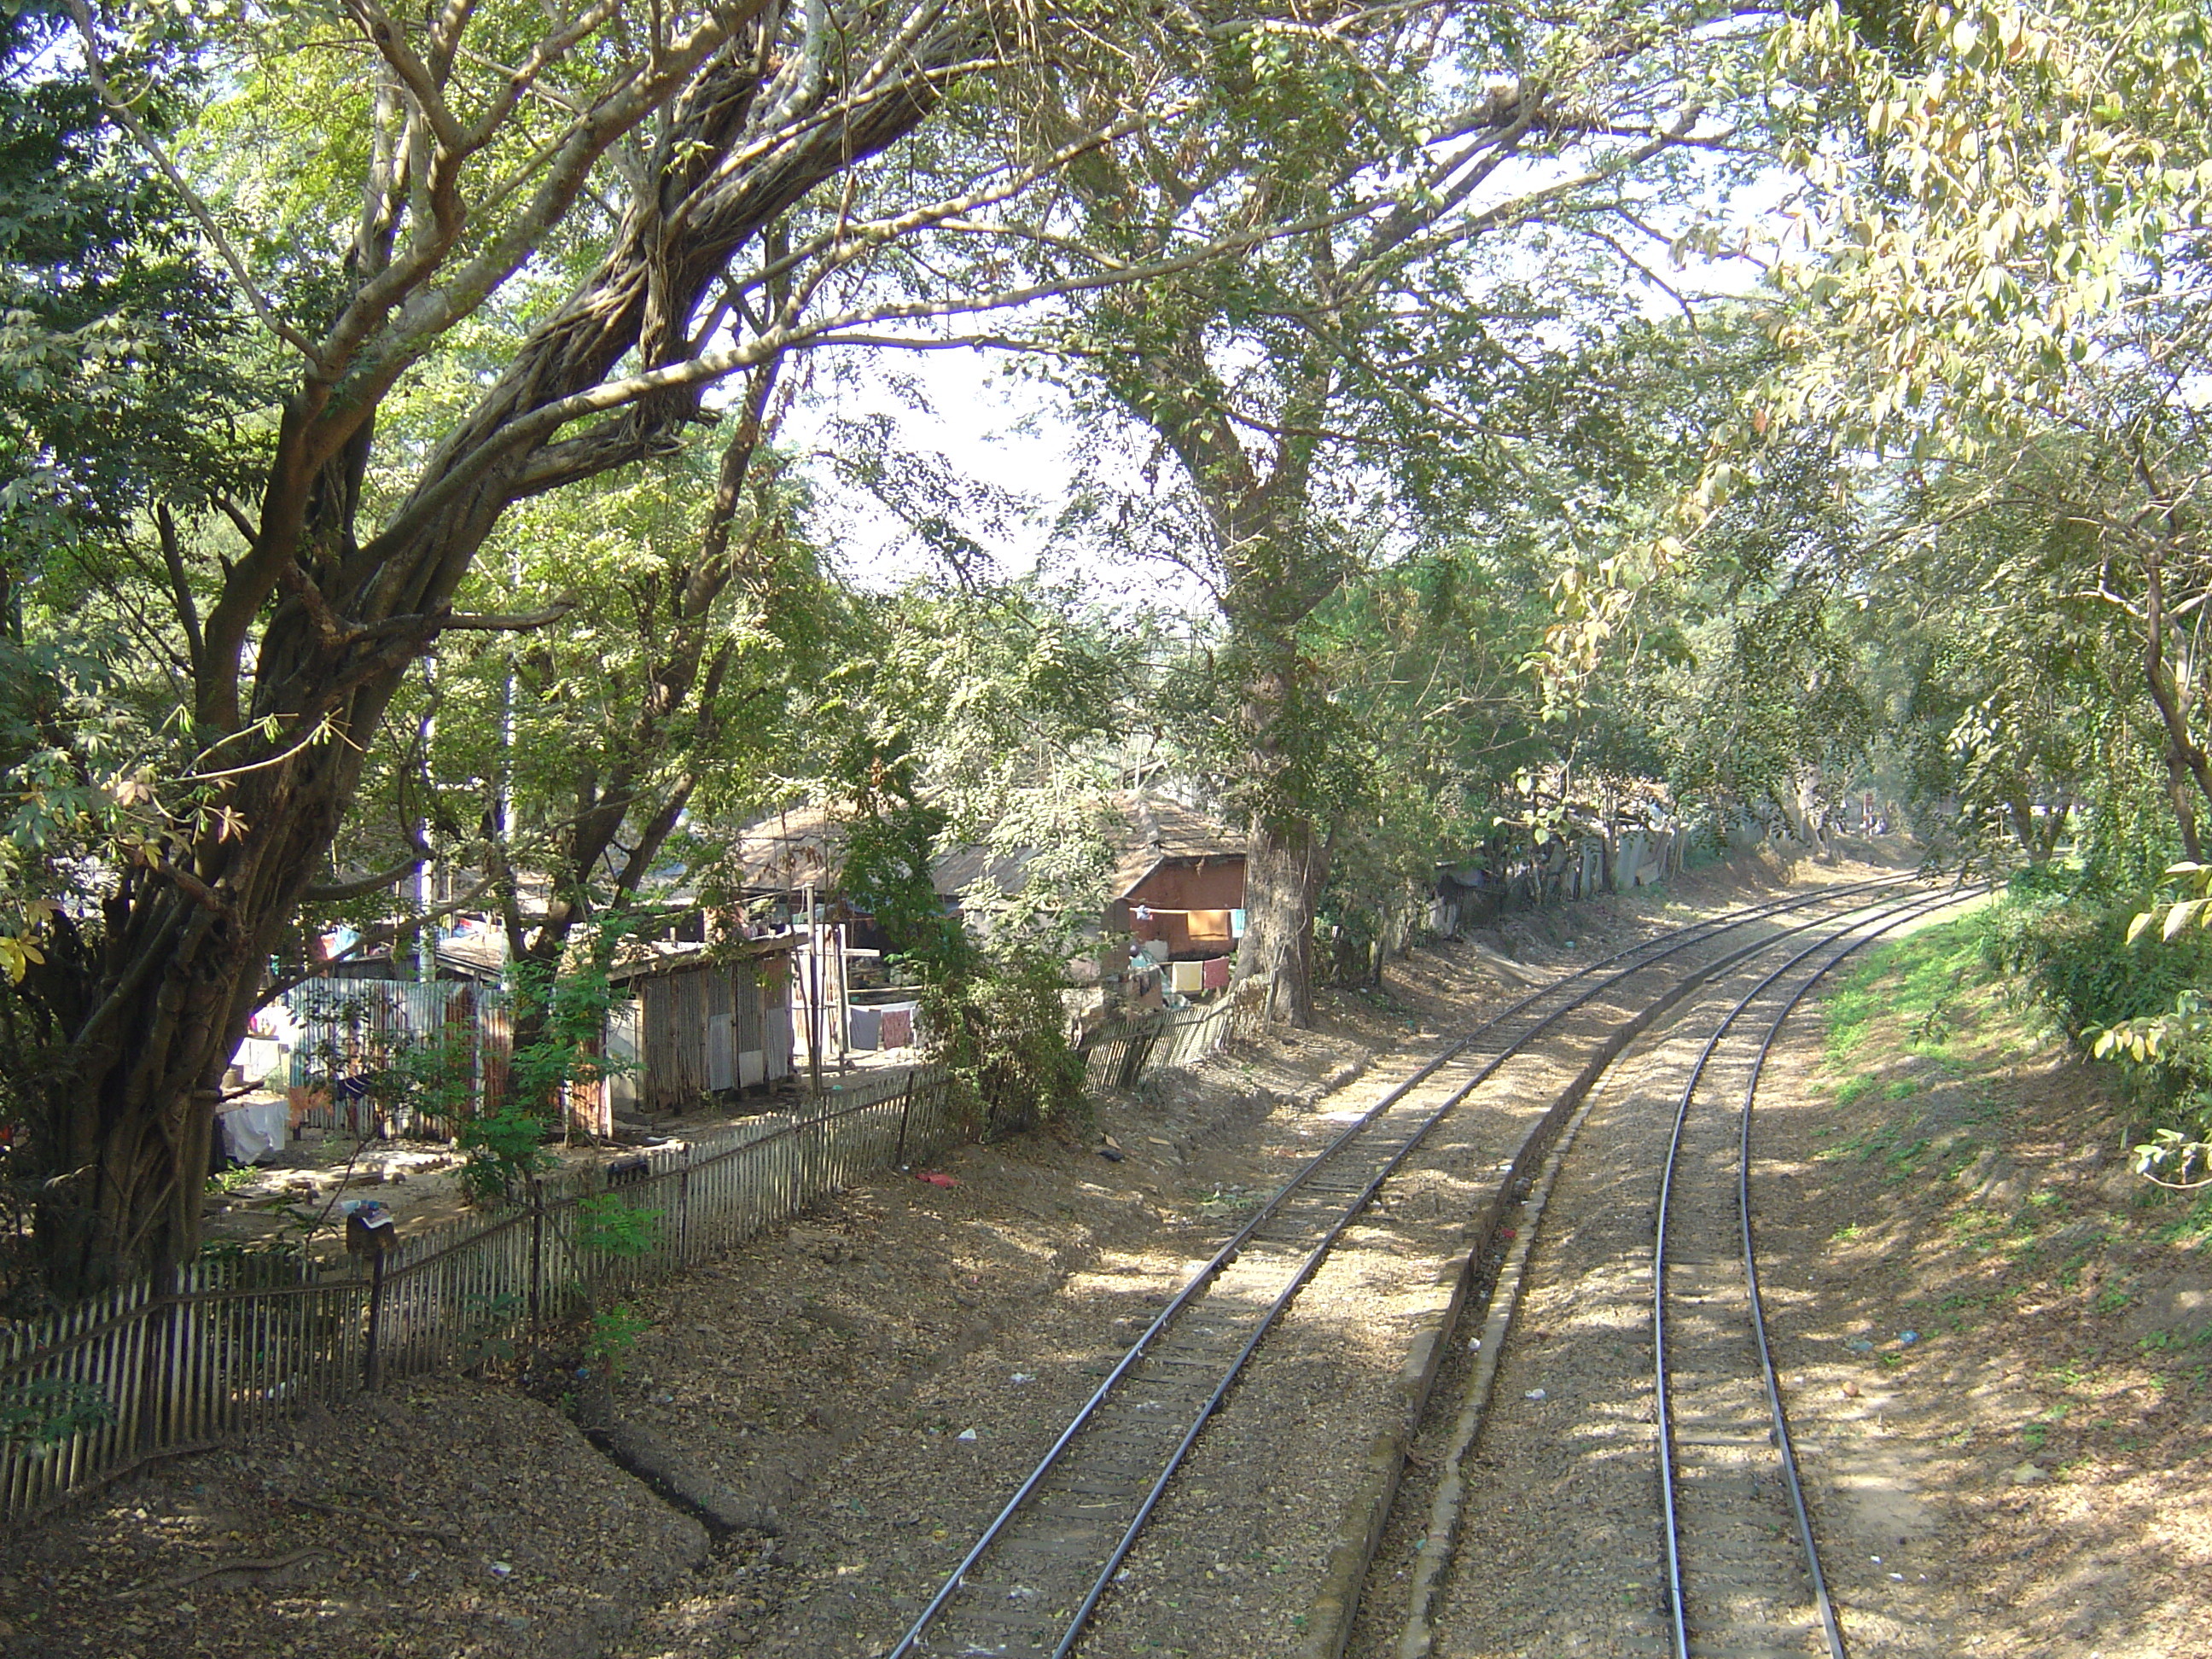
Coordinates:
368 1366
683 1209
536 1250
159 1407
906 1112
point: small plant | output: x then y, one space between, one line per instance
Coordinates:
43 1414
503 1150
614 1333
607 1226
486 1342
223 1182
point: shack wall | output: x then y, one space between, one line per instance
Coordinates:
1189 901
704 1027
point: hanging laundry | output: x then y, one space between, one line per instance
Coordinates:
1209 927
1216 972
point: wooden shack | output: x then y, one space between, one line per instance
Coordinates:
1178 881
708 1022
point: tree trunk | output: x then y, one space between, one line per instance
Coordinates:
1284 864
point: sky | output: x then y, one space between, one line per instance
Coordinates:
1008 431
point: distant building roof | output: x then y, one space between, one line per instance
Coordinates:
790 849
1161 831
804 844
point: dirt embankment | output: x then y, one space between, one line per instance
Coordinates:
2003 1335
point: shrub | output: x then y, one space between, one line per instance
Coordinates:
1000 1034
2118 989
2069 950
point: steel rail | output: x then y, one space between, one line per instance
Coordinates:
1673 942
1897 917
1326 1244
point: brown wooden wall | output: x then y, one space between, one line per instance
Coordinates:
1208 885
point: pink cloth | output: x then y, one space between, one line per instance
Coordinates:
897 1028
1215 971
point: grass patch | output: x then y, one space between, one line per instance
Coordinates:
1855 1088
2192 1226
1916 981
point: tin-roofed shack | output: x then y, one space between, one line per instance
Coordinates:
1179 880
706 1021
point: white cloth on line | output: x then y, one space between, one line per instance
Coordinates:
252 1131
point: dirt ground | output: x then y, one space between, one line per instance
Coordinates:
493 1527
300 1193
2030 1465
902 1324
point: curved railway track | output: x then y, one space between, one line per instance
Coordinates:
1029 1583
1731 1493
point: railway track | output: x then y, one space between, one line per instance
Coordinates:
1744 1577
1032 1581
1740 1572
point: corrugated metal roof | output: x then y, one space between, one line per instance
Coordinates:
668 957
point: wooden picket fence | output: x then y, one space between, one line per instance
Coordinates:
235 1342
1116 1056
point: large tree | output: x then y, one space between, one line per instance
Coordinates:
1462 198
579 204
2006 294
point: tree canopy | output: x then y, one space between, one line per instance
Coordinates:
1705 412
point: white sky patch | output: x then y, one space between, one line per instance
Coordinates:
1011 435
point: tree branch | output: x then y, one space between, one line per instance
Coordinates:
180 587
127 119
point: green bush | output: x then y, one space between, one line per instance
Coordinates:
1000 1035
2067 948
2068 951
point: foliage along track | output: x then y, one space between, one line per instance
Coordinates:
1037 1576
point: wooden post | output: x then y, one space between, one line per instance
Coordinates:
369 1233
368 1366
536 1250
813 996
683 1209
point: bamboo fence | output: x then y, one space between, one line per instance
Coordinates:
233 1342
